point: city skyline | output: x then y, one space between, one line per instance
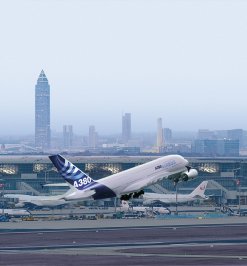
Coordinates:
168 59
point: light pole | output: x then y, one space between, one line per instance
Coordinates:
176 186
238 184
47 174
2 187
115 205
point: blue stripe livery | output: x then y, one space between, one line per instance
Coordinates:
79 179
71 173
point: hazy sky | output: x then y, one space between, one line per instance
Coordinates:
184 61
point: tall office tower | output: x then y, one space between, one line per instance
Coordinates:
236 134
167 135
67 136
92 137
160 136
126 127
42 112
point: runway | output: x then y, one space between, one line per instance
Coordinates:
160 245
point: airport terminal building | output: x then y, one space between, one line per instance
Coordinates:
28 174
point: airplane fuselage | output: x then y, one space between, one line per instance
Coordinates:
41 201
168 198
130 180
197 193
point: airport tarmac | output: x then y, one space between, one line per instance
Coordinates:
219 241
112 223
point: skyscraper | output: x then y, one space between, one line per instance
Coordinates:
42 112
92 137
67 136
167 134
126 127
160 136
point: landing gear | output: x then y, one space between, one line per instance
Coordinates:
132 195
138 194
126 196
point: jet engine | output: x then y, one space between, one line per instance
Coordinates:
19 204
187 175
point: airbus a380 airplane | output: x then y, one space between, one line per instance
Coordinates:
125 184
198 193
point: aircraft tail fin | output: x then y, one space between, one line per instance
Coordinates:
73 175
200 190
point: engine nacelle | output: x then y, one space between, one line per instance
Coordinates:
19 205
187 175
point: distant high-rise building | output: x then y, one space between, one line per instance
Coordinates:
67 136
205 134
236 134
160 135
221 147
126 127
42 112
2 147
167 133
92 137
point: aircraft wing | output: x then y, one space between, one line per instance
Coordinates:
56 185
82 195
150 180
161 200
208 196
16 196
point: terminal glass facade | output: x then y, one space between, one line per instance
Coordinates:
28 175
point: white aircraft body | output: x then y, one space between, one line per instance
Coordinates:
147 210
198 193
125 184
40 201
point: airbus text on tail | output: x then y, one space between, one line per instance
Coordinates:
73 175
125 184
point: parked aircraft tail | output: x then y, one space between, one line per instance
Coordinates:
200 190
